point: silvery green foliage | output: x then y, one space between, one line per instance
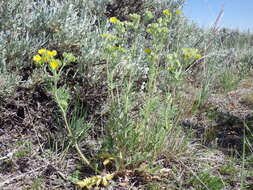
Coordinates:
8 83
165 4
3 52
98 7
18 32
28 25
121 9
75 25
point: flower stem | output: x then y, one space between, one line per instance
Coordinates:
67 127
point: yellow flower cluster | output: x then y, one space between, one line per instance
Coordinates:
37 58
47 56
191 53
166 12
119 26
148 51
95 181
113 20
178 12
54 63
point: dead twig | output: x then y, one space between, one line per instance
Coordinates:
9 155
9 180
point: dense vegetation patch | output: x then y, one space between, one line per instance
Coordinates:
120 95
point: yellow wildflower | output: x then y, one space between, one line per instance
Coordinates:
147 51
166 12
113 20
51 53
178 12
45 58
54 64
42 51
198 56
37 58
